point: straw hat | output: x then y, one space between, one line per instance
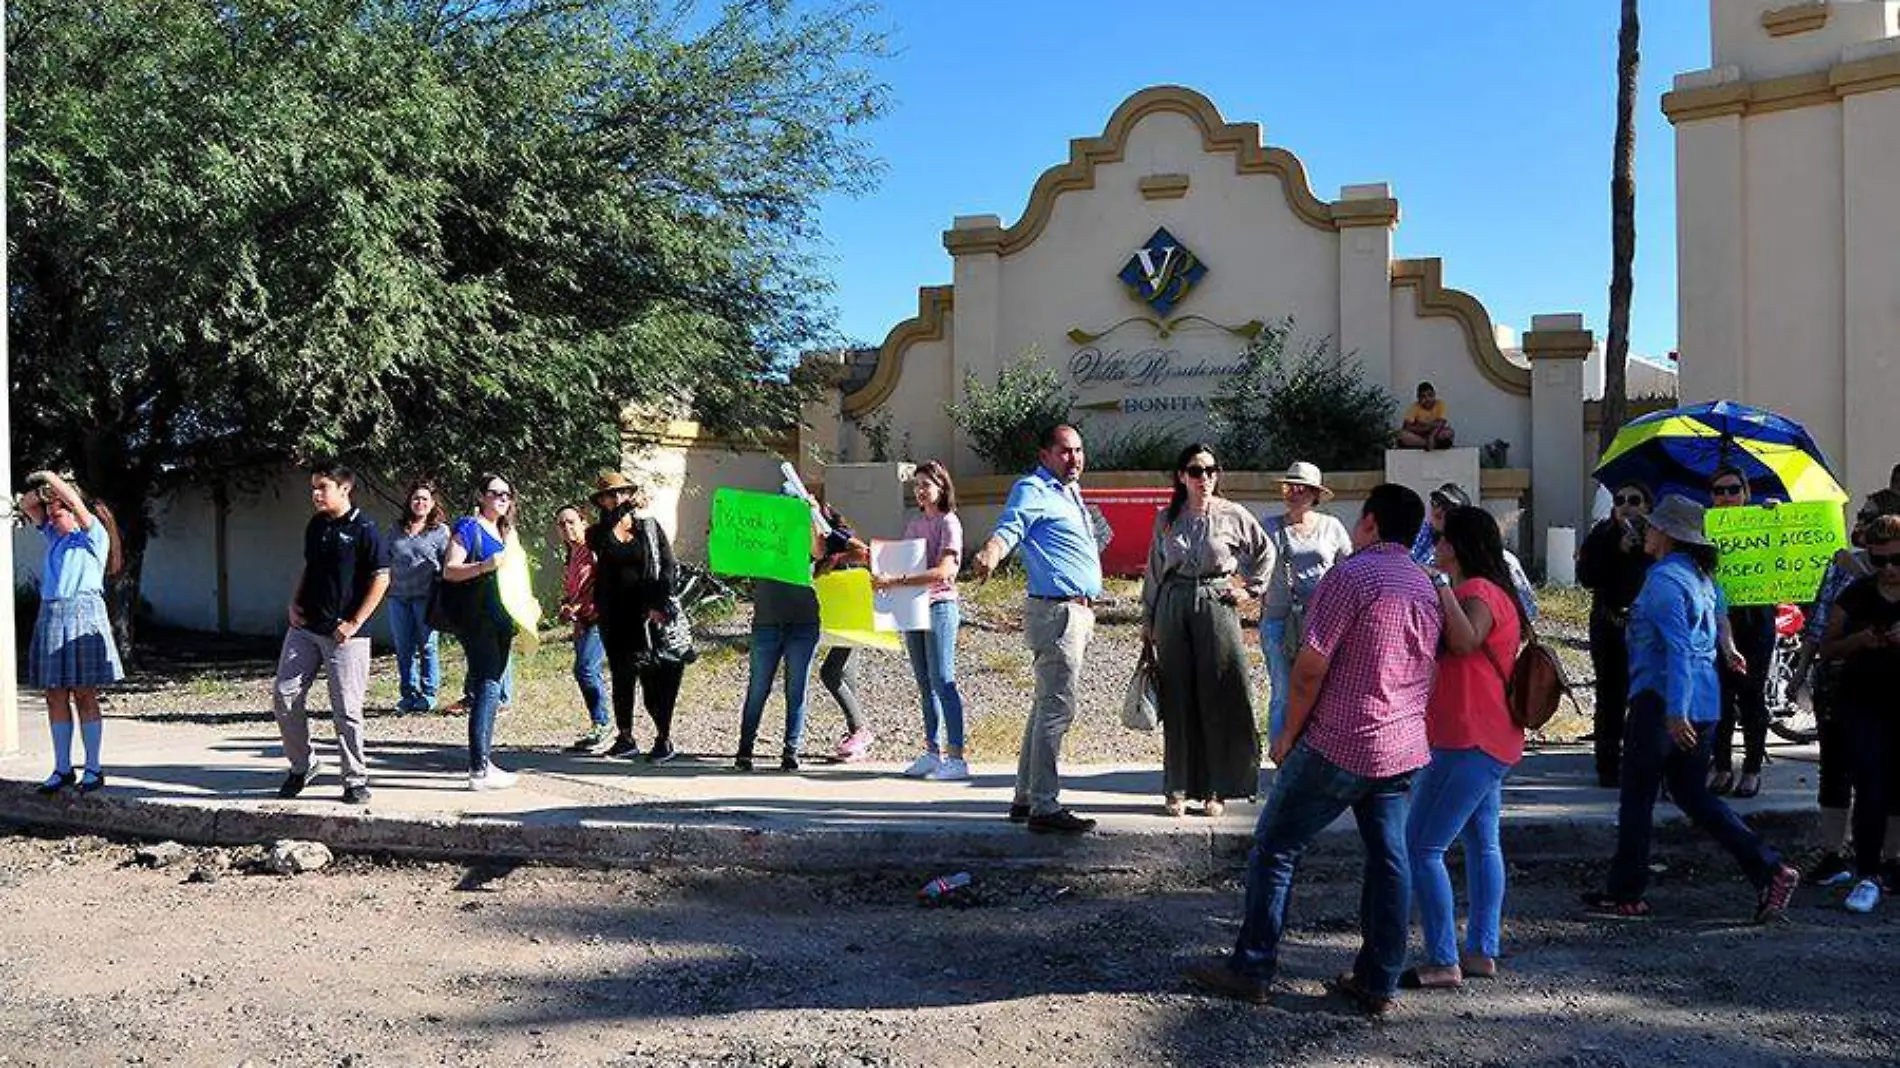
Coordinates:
1680 518
1449 496
1305 474
611 482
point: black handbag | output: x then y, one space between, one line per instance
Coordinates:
457 607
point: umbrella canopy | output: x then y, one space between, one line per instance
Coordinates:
1679 450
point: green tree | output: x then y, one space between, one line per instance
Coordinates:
420 235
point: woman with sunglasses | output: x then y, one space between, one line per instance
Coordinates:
1863 636
1208 555
1306 544
1834 770
479 547
1611 564
1744 691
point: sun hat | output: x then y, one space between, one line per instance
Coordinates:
1305 474
611 482
1680 518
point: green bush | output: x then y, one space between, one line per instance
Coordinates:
1005 422
1142 447
1314 405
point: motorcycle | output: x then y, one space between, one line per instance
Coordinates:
1790 709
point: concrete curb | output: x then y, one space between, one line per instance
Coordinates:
760 844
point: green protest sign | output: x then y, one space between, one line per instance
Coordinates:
760 535
1775 555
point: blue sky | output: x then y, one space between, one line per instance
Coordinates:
1491 119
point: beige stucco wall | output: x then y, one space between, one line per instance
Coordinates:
1789 227
1273 250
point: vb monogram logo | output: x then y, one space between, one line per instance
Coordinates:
1161 272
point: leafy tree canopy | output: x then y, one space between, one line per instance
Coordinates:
425 236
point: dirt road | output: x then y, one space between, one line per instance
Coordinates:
370 963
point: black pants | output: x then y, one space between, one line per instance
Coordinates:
1745 700
1610 656
630 662
1875 735
1651 759
841 680
1835 775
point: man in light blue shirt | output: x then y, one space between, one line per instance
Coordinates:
1045 515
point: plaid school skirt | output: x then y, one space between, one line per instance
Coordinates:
72 646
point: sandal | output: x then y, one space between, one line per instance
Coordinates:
1614 908
1749 785
1477 966
1174 806
1213 808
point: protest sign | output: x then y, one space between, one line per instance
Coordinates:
847 615
516 587
1775 555
760 535
906 607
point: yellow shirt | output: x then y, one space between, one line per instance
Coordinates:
1418 413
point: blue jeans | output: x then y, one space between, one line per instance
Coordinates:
507 686
795 644
416 661
1651 758
1279 673
933 658
589 655
1457 796
1309 793
488 661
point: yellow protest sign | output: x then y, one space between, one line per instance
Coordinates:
1775 555
847 614
516 587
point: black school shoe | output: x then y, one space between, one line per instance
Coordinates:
356 795
296 781
56 782
1061 821
92 781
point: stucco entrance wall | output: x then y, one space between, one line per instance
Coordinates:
1788 240
1169 172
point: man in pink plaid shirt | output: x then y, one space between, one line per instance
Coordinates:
1355 734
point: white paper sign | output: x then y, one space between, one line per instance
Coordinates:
906 607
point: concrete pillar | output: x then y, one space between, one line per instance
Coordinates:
1557 346
9 670
1870 132
1367 215
1711 243
975 331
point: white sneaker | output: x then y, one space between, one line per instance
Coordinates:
922 766
1864 896
949 769
495 778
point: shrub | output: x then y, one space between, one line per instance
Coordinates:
1005 422
1141 447
1315 406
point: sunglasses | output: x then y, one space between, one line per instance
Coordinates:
1197 471
1878 561
1631 499
504 495
1727 489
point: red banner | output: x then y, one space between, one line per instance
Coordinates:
1131 517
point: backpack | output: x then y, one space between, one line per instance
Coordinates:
1536 684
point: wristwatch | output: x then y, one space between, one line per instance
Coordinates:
1441 580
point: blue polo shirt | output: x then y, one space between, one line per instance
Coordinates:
1046 517
75 563
1672 635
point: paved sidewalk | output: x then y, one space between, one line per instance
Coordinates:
217 784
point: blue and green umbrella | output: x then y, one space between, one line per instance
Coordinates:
1679 450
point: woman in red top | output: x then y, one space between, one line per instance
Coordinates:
1474 744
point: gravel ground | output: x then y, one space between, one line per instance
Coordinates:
187 678
369 962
